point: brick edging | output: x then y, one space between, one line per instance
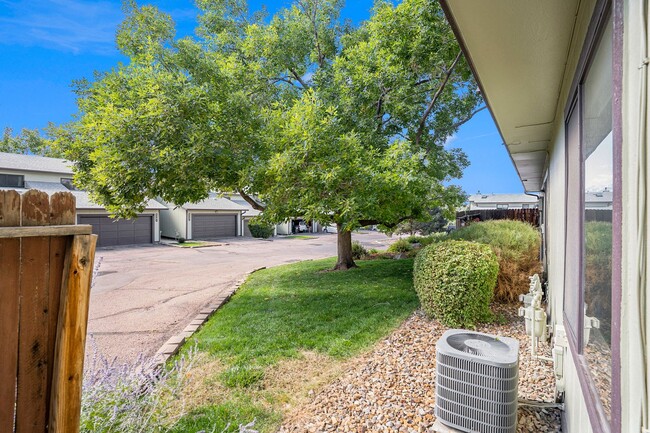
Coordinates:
173 345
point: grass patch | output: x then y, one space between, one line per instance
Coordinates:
259 347
191 244
298 237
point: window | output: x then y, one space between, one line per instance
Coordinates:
12 180
589 233
502 206
68 183
598 177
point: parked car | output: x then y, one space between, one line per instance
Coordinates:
330 228
302 227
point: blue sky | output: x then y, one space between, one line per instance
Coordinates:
46 44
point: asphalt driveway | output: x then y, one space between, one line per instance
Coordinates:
143 295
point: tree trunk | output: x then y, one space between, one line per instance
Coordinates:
344 249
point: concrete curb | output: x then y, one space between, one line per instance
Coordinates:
173 345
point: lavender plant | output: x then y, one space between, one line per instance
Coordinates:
134 397
130 397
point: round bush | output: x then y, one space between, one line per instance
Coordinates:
455 281
400 246
358 250
260 230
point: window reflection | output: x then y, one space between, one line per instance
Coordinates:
598 199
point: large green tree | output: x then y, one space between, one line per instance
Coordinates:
303 114
29 141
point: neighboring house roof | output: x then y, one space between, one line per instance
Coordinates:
250 212
502 198
84 202
81 197
48 187
34 163
13 161
217 203
599 197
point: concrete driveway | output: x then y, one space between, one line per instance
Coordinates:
143 295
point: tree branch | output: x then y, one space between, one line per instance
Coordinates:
312 14
364 223
468 118
427 112
297 77
283 79
251 201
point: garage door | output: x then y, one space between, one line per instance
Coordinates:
213 226
113 232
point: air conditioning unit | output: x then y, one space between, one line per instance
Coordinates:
476 385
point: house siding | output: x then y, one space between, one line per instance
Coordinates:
173 222
35 176
635 263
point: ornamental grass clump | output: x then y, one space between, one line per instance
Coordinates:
132 397
400 246
516 245
358 250
455 282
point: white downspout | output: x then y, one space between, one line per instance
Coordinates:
642 240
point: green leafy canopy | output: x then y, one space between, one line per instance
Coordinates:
302 113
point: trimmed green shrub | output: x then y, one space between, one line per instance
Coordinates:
400 246
455 282
259 230
516 245
358 250
433 238
413 239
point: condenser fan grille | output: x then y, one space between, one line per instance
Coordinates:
478 344
477 377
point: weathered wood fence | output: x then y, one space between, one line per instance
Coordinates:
46 265
530 216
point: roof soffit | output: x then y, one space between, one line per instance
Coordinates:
518 50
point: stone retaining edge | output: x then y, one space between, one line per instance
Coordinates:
173 345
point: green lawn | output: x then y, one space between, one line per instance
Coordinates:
279 315
191 244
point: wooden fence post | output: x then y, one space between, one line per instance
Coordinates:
46 264
9 308
71 335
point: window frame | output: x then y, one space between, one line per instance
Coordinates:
20 176
604 11
70 183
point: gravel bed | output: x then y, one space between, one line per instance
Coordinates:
392 388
